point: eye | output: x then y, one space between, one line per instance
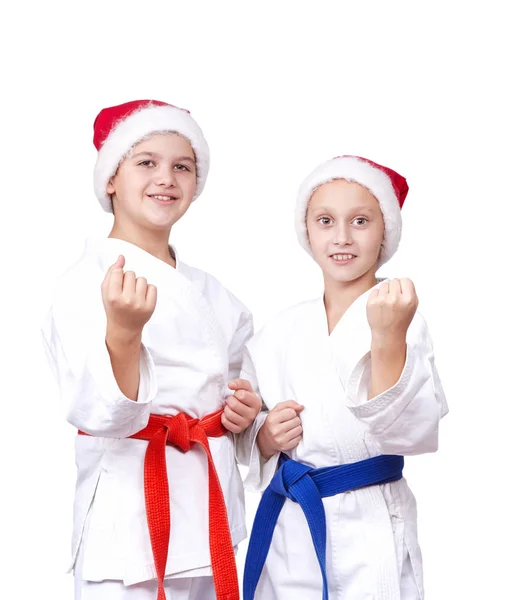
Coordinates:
361 221
325 220
147 163
181 168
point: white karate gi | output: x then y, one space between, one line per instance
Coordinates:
372 548
192 347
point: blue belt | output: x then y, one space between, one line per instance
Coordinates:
308 486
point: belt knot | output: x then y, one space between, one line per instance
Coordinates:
179 431
288 474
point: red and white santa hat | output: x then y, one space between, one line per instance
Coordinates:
117 129
389 188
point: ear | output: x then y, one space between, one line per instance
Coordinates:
307 229
110 186
384 240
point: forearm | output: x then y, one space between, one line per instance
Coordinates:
124 351
260 469
388 357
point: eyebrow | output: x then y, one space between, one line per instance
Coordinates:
155 154
363 209
353 209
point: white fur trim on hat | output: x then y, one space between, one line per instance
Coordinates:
135 127
359 171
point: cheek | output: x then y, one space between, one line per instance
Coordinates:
132 180
372 239
188 184
317 239
129 190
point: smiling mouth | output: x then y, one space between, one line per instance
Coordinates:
342 258
162 197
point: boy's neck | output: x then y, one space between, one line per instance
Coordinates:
156 244
338 295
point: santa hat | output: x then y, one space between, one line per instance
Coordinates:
118 128
389 188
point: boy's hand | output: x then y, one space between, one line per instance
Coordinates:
241 408
128 301
282 429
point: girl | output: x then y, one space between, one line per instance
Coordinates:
350 387
143 369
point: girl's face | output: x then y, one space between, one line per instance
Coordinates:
346 229
155 184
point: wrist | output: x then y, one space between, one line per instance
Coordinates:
388 341
121 336
266 448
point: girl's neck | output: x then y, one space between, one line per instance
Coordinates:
155 243
339 295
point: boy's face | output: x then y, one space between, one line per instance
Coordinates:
155 184
345 228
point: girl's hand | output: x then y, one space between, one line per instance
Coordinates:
391 308
282 429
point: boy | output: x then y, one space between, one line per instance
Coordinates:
143 367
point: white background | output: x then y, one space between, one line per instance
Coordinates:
278 87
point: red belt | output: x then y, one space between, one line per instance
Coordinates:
183 431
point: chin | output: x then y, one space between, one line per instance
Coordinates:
163 221
151 223
347 274
346 278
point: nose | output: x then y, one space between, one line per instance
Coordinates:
342 234
166 177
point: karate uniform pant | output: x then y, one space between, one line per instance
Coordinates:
184 588
311 589
187 588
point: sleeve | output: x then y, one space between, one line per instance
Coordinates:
74 340
403 420
241 336
260 471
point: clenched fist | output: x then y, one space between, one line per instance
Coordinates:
282 429
128 301
391 308
241 408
